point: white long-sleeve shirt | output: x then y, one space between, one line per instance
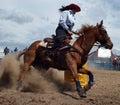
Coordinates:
67 19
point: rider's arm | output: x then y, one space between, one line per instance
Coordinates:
69 32
63 19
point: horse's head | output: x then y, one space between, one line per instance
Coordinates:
102 36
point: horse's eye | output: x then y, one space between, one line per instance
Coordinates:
105 32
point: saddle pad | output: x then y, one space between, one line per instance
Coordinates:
72 41
43 44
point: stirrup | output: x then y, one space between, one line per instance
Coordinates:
66 46
47 58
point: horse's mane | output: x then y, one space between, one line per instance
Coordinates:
84 28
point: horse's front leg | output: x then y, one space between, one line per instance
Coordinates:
81 91
72 66
91 78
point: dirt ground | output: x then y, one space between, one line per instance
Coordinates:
50 89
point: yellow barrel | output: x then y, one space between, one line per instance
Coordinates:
82 77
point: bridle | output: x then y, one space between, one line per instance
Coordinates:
98 44
106 40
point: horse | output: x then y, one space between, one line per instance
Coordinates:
71 59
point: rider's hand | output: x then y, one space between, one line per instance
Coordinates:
69 32
78 33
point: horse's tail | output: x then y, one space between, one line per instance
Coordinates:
20 54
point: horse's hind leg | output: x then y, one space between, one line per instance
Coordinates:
28 59
24 70
22 75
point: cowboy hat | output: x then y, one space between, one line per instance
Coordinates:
74 7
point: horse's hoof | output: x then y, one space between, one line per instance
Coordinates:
48 59
91 84
82 93
88 86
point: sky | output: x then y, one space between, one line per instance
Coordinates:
24 21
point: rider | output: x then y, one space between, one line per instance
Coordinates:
66 23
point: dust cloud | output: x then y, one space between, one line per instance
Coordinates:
9 71
35 80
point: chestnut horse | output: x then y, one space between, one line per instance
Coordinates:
72 59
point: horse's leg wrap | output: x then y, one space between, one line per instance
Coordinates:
19 84
91 79
90 83
80 90
78 85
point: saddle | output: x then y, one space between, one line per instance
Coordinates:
53 48
50 41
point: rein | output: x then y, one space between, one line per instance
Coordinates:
95 50
77 51
98 45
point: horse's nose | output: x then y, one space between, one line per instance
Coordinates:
109 46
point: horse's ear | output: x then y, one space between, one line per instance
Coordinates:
97 24
100 25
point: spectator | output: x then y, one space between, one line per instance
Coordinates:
6 50
15 50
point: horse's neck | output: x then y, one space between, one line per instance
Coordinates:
85 43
